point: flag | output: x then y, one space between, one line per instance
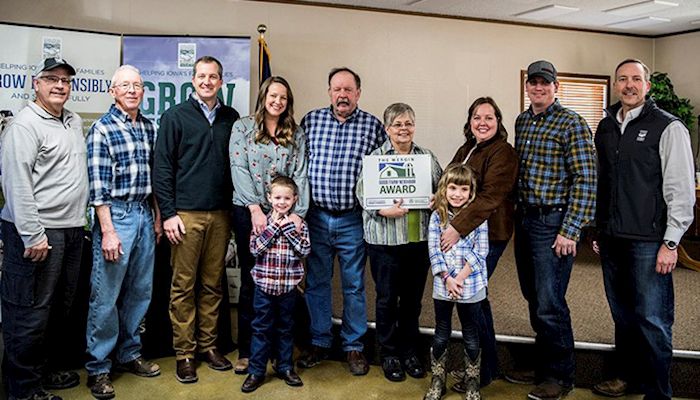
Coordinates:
264 70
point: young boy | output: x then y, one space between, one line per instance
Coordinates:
278 269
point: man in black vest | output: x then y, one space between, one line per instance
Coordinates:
645 204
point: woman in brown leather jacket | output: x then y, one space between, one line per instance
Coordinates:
495 162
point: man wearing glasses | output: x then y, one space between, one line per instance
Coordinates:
120 153
192 182
46 187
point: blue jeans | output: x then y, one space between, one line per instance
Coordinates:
36 299
544 279
272 331
121 290
641 303
399 274
336 234
469 315
487 334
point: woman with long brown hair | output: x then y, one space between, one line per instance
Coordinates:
495 162
264 145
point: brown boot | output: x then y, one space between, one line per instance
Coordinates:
472 377
437 383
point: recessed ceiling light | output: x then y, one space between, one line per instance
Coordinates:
639 22
546 12
644 7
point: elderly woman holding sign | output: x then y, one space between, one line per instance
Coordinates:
397 244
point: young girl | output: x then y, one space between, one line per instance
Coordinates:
460 278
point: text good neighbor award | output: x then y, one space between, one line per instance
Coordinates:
387 178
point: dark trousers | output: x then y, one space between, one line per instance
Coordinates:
36 300
272 331
242 227
469 316
544 279
399 274
487 334
641 303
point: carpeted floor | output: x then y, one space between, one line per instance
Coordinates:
586 297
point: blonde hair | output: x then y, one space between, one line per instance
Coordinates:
458 174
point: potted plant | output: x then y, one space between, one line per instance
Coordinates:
665 97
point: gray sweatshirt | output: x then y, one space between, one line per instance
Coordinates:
44 172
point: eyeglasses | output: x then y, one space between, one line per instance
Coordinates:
399 125
54 80
125 86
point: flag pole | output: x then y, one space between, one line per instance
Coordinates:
262 53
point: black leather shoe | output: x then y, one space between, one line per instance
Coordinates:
290 378
392 369
251 383
215 360
140 367
40 395
413 367
186 371
358 363
101 386
313 357
60 380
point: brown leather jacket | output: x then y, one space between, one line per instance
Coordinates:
495 163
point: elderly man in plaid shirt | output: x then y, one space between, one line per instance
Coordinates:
127 226
339 137
556 199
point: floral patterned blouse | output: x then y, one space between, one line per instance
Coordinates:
255 165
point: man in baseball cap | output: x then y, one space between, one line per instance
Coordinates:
556 199
43 159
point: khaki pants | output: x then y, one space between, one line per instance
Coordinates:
196 292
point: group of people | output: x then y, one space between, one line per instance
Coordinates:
291 191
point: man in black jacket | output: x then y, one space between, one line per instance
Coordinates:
192 182
645 204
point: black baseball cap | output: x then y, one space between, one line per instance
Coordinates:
543 69
52 63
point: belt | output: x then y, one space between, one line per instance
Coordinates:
543 209
337 213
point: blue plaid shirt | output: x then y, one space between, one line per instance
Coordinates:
336 150
557 165
471 249
120 157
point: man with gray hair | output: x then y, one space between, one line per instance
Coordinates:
645 204
120 153
44 180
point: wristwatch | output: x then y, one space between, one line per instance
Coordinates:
670 244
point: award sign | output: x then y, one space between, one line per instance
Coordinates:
388 178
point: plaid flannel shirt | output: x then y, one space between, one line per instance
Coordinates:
120 157
471 249
335 154
278 251
557 165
